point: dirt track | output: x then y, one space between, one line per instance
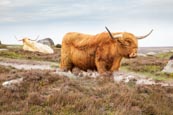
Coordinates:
53 67
27 64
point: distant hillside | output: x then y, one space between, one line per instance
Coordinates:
154 49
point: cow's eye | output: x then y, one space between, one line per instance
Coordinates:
127 43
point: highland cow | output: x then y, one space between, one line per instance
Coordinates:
32 45
102 52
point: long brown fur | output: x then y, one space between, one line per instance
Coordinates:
96 52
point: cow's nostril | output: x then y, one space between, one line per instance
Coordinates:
132 55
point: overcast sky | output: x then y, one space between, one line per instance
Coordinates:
54 18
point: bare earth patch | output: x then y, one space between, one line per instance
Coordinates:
119 76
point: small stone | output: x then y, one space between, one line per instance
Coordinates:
169 67
12 84
142 55
151 53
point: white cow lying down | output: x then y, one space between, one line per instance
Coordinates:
32 45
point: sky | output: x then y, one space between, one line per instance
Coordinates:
55 18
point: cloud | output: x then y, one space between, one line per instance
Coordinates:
154 9
4 3
111 11
23 11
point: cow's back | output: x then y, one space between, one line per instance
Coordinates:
77 39
79 50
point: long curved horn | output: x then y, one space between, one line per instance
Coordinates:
118 36
109 33
35 38
17 39
141 37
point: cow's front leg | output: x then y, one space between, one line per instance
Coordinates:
101 66
116 64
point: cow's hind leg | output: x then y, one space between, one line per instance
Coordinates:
66 63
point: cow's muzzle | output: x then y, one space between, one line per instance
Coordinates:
133 55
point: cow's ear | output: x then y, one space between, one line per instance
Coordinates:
120 40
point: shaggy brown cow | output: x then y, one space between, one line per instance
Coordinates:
102 52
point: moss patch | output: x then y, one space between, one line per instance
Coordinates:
150 66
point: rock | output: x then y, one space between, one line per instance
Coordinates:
171 58
68 74
3 49
121 77
169 67
0 43
76 71
58 45
142 55
145 81
12 84
46 41
151 53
